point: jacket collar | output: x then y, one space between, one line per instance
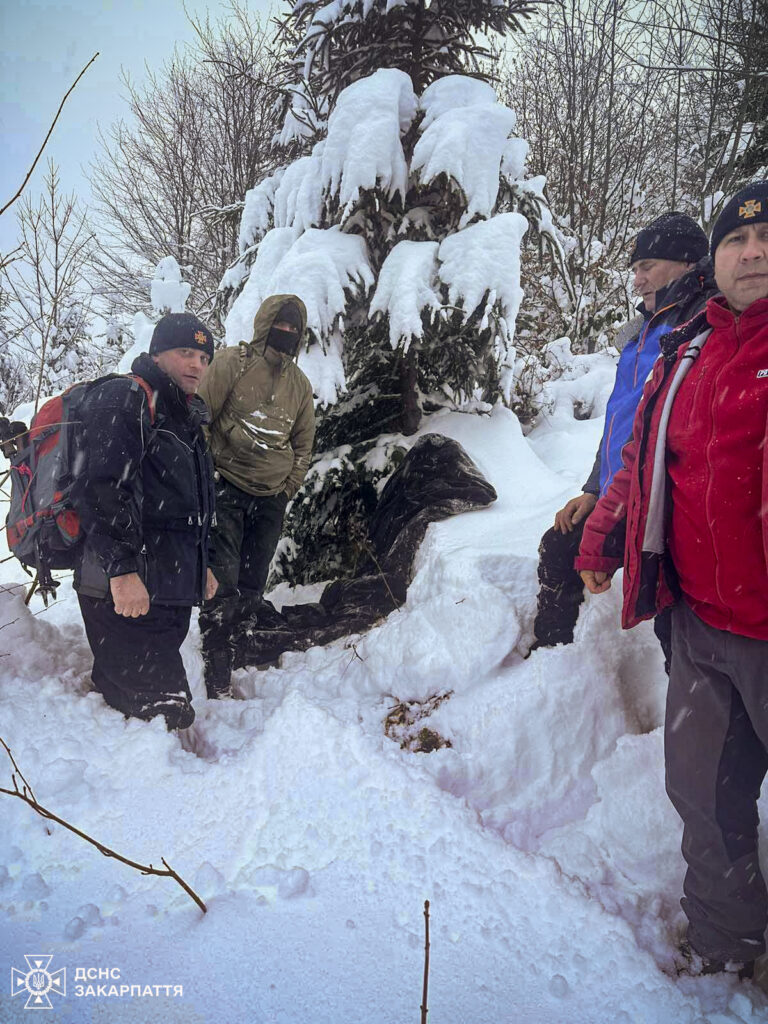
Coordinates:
700 278
670 343
719 316
169 393
750 320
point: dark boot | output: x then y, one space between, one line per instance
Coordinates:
176 708
178 712
689 962
218 672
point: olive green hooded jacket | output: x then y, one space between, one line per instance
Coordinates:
262 417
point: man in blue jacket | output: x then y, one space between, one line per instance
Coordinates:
673 277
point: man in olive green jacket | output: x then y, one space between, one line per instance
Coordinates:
261 434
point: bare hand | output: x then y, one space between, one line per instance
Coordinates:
211 586
130 595
596 582
574 511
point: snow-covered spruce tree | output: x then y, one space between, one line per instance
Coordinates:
337 43
401 230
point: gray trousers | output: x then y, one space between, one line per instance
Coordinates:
716 738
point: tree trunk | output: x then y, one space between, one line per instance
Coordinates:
409 392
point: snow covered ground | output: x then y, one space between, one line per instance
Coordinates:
542 836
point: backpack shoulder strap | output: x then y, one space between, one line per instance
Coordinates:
245 358
148 391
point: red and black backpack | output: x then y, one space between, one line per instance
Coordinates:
43 528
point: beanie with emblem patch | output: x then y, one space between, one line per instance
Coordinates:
181 330
748 206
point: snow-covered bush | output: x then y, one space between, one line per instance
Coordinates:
168 292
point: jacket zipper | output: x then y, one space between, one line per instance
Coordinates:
644 335
640 347
708 492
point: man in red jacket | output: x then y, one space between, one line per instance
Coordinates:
687 515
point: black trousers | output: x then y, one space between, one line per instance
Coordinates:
245 538
716 753
561 590
561 593
137 664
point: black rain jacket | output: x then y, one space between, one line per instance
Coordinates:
145 492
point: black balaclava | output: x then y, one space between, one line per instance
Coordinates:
286 341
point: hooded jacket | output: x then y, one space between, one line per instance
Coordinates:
262 417
689 509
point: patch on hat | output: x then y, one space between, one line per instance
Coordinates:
200 338
750 209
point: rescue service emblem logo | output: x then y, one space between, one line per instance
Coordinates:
750 209
38 982
200 338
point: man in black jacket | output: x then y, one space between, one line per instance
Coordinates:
674 277
145 500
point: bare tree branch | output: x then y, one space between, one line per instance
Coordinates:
26 794
50 130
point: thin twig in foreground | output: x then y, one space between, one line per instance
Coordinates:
424 1010
26 794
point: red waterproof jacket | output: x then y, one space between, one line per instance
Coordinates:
633 521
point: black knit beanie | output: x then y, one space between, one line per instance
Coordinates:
289 313
749 206
181 330
672 236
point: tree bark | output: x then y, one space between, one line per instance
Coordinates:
409 392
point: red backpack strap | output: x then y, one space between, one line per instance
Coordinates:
148 391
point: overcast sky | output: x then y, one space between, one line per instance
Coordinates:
43 46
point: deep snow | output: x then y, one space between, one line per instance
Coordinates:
542 837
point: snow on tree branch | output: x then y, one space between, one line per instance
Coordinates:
363 146
465 139
481 266
407 286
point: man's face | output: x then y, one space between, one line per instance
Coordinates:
274 356
741 265
185 367
650 275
